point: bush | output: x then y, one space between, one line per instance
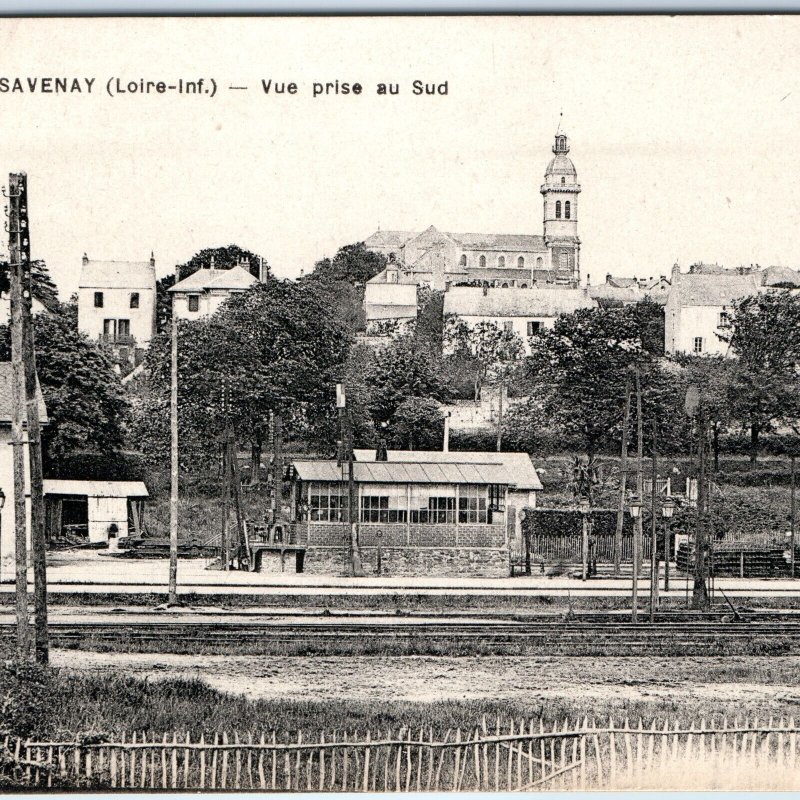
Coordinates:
101 467
28 698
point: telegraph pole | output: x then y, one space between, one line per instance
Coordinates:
500 416
226 477
793 523
16 254
700 592
174 475
653 531
637 532
19 189
623 479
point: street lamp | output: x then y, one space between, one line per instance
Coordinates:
635 509
667 510
584 507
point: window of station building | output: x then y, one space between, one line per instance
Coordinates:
386 508
441 510
558 209
433 504
194 302
327 502
698 344
472 504
534 326
724 319
497 497
521 261
98 299
134 299
463 260
566 210
501 261
482 261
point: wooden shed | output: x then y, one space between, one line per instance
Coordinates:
93 511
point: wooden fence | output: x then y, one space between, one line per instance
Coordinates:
509 756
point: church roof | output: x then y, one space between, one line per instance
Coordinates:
468 301
208 279
388 238
561 165
118 275
703 289
501 241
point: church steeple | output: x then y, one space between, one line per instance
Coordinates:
560 191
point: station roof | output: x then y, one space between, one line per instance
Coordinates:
95 488
522 473
419 471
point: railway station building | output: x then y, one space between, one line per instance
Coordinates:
425 512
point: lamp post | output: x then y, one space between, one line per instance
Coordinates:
584 507
667 510
635 509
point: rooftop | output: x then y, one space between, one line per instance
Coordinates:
713 289
95 488
209 279
519 465
118 274
534 302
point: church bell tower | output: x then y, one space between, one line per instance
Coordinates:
560 191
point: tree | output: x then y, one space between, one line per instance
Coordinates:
353 263
580 367
399 372
43 287
279 348
417 423
86 405
490 352
765 337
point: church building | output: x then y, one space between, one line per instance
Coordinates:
439 259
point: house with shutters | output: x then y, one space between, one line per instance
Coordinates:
117 305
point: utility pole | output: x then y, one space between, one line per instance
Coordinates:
17 411
173 455
623 479
700 592
653 531
352 493
226 478
277 462
500 417
793 523
637 532
19 191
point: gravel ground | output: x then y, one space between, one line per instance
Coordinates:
421 678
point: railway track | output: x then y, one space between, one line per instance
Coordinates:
424 636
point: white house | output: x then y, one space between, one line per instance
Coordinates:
699 307
205 290
117 304
390 300
7 516
523 311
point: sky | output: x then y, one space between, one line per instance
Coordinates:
684 132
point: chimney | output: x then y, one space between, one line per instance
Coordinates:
152 259
608 277
85 259
676 271
211 263
261 269
446 440
588 279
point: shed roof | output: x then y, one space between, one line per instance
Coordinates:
95 488
5 395
535 302
522 473
419 471
118 275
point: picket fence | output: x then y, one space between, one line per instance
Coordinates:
510 756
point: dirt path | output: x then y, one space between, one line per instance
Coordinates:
423 678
